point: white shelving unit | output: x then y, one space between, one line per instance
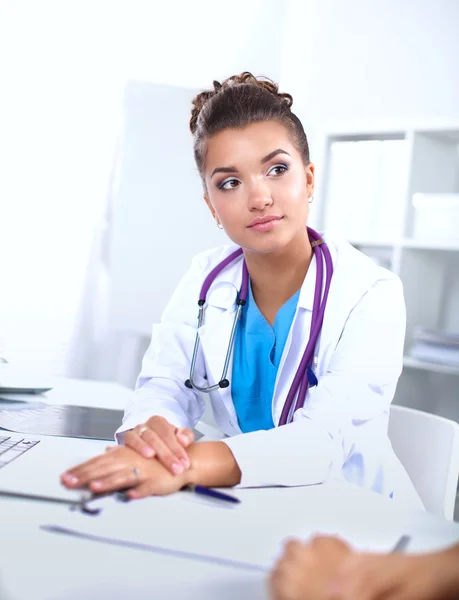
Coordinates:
352 198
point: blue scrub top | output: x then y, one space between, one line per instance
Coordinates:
258 350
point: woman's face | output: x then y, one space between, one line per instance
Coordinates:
258 186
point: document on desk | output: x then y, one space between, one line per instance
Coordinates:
249 534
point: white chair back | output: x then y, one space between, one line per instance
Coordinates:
428 448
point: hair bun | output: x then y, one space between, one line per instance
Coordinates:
263 82
245 78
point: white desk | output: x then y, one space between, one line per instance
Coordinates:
37 564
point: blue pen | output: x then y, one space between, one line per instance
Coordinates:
209 492
198 489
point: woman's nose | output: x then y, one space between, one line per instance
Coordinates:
259 196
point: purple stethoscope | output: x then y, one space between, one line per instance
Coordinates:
304 376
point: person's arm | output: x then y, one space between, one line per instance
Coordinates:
433 576
327 569
351 401
212 464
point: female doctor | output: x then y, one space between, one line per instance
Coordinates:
300 340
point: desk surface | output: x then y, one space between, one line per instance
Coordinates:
37 564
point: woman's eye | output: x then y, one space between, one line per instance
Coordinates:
228 184
277 170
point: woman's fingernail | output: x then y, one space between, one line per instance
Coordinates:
133 494
185 463
177 469
148 452
183 438
71 479
96 485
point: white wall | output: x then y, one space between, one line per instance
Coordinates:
384 61
176 43
63 66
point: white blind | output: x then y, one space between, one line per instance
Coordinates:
58 125
63 68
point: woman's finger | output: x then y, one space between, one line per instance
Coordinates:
80 477
135 439
185 436
72 476
123 478
141 491
169 432
165 455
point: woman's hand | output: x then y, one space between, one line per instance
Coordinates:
121 468
159 439
305 570
432 576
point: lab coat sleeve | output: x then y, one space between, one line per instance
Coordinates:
160 388
352 399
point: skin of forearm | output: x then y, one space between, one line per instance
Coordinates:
213 465
449 561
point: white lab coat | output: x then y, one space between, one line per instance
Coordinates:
342 429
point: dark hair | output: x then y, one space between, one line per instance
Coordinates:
239 101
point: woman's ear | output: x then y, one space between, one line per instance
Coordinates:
309 170
212 209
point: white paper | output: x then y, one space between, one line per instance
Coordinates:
252 532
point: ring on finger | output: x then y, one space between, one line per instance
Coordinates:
136 473
141 430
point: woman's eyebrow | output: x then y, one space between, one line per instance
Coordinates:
263 160
223 170
273 154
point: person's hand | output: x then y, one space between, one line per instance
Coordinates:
305 571
157 438
121 468
398 577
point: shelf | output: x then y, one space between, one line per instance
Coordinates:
438 128
413 363
369 243
440 245
450 245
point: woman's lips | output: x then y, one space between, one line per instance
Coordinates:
264 223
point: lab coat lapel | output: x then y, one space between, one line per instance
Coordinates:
351 278
335 315
216 331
